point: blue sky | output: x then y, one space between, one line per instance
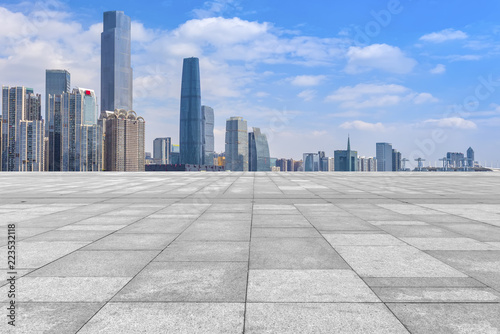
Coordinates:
423 75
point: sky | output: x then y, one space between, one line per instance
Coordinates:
423 75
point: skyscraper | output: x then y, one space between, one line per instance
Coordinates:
22 130
207 114
236 144
191 125
258 152
455 159
73 134
346 161
116 70
161 150
56 83
311 162
396 160
470 157
384 157
124 141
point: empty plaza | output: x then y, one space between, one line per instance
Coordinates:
252 252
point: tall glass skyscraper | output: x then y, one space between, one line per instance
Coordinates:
470 157
236 144
207 114
384 157
56 83
258 152
116 70
191 127
162 147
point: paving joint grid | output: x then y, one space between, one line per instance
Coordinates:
179 200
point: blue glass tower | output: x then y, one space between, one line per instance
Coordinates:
258 152
191 127
208 135
116 70
56 83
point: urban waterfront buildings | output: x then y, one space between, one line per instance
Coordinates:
22 130
259 159
123 141
236 144
346 161
162 148
384 157
207 134
455 159
470 157
116 70
56 83
191 122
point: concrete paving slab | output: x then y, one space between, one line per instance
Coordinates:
448 244
364 239
208 251
333 286
127 241
437 295
285 232
415 282
171 318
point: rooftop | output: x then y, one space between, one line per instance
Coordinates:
253 252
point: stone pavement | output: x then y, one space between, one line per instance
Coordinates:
253 252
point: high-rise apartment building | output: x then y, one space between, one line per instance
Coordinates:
74 137
22 130
116 70
191 124
57 82
124 149
259 159
396 160
161 150
236 144
207 115
384 157
331 164
282 164
346 161
470 157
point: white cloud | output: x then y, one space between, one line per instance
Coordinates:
380 57
307 95
307 80
451 122
376 96
444 35
215 8
439 69
363 126
464 57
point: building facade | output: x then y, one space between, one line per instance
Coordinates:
346 161
57 82
470 157
236 144
116 70
396 160
191 122
310 162
162 148
384 157
455 159
207 115
259 159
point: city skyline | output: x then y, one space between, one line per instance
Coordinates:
359 94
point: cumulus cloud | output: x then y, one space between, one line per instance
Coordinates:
378 57
376 96
444 35
307 80
363 126
451 122
439 69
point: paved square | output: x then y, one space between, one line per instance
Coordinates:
253 252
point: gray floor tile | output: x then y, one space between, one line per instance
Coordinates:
209 251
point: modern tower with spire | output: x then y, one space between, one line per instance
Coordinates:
346 161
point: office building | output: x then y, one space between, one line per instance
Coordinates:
236 144
282 164
396 160
367 164
191 122
124 141
162 148
290 165
331 164
470 157
219 159
116 70
74 136
22 130
323 161
310 162
346 161
207 115
455 159
57 82
258 152
384 157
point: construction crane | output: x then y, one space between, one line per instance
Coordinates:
404 160
444 160
419 163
